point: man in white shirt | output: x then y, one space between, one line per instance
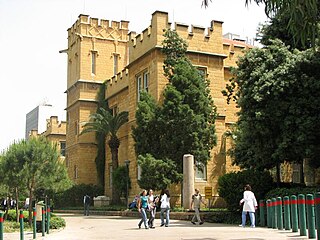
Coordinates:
249 206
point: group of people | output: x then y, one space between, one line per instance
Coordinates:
147 203
8 203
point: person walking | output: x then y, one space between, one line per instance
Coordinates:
249 206
152 206
142 208
86 204
4 204
165 208
195 203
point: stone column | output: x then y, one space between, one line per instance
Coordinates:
188 179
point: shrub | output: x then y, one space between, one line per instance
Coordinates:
10 226
12 216
120 178
57 222
73 197
231 186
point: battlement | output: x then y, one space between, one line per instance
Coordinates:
54 126
203 39
117 83
98 28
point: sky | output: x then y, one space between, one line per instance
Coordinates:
32 71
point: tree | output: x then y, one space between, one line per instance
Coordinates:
277 29
108 124
157 174
32 165
303 17
11 174
260 88
146 133
276 91
184 122
100 138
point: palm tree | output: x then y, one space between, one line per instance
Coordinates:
106 123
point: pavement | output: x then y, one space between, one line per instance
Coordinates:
122 228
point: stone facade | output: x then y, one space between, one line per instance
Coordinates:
55 133
100 50
93 48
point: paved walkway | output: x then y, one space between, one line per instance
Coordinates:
124 228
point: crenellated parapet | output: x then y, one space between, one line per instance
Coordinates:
199 39
54 126
150 37
233 49
117 83
98 28
202 39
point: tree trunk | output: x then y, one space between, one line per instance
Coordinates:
17 203
30 202
114 144
101 158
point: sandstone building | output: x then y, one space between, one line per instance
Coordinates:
55 133
106 52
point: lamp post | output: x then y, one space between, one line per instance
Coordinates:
127 163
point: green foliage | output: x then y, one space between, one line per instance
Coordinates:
57 222
184 122
12 215
104 122
303 18
74 195
12 226
31 165
100 138
174 48
277 93
282 192
120 178
12 162
277 29
146 134
231 186
157 174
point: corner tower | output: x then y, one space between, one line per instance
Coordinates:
97 50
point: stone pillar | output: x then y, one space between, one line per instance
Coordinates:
188 179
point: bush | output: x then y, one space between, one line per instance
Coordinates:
57 222
231 186
281 192
73 197
12 216
10 226
120 178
